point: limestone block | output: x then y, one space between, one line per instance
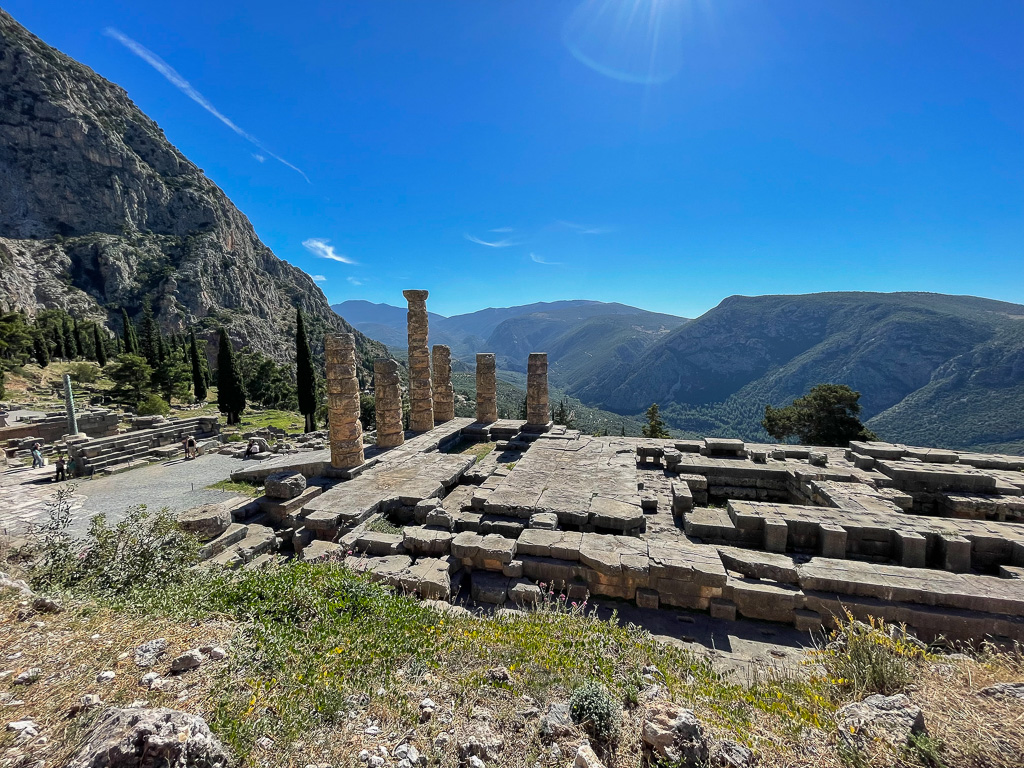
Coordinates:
831 540
646 598
722 609
206 522
284 485
489 587
427 541
911 549
955 552
776 533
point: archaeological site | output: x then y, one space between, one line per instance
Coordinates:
931 539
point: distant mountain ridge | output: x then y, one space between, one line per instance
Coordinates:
575 333
932 369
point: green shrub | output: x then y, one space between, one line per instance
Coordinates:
153 405
866 658
597 711
84 373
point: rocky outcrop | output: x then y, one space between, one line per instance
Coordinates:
98 210
147 738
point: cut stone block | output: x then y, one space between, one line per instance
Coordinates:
722 609
831 540
284 485
776 533
646 598
489 587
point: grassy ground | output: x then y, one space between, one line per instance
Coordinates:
323 663
478 450
233 486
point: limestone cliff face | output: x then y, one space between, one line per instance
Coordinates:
98 211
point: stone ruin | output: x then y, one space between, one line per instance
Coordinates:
784 533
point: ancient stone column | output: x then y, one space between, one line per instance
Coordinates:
346 433
486 389
444 393
537 414
388 394
69 406
421 405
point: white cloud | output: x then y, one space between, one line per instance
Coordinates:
319 279
541 260
322 248
354 281
503 229
185 87
496 244
583 230
259 158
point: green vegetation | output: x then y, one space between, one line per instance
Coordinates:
198 370
865 658
655 426
234 486
598 712
827 415
230 392
564 414
478 450
305 374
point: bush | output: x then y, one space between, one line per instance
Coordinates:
153 405
142 551
863 659
84 373
597 711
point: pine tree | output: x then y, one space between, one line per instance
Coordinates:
230 393
69 339
130 341
101 351
149 337
40 349
3 388
655 426
79 343
198 377
305 374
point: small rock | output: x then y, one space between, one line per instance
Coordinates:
46 605
28 676
90 700
499 675
675 735
441 741
557 722
363 756
105 677
1011 690
147 680
375 761
147 653
585 758
217 653
373 730
188 660
24 726
892 719
729 754
475 762
480 740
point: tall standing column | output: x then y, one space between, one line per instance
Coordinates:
421 405
388 397
537 414
486 389
444 393
346 433
69 406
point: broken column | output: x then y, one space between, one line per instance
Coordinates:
444 393
421 406
69 405
388 398
538 416
346 433
486 389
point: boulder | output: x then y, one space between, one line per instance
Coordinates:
890 719
729 754
674 735
585 758
557 722
999 690
481 741
284 485
206 522
147 653
147 738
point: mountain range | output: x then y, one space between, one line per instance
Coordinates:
932 369
99 211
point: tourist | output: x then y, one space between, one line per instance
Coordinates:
191 451
72 466
37 456
252 449
60 474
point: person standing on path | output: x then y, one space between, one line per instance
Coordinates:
37 456
60 474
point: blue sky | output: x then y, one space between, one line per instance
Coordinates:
664 154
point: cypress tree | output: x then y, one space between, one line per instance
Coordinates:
131 346
118 344
305 374
230 392
69 339
58 341
40 349
198 377
79 343
97 340
150 337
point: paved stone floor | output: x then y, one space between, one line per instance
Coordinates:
176 484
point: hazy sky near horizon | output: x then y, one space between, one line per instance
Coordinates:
664 153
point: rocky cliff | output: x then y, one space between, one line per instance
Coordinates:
98 211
